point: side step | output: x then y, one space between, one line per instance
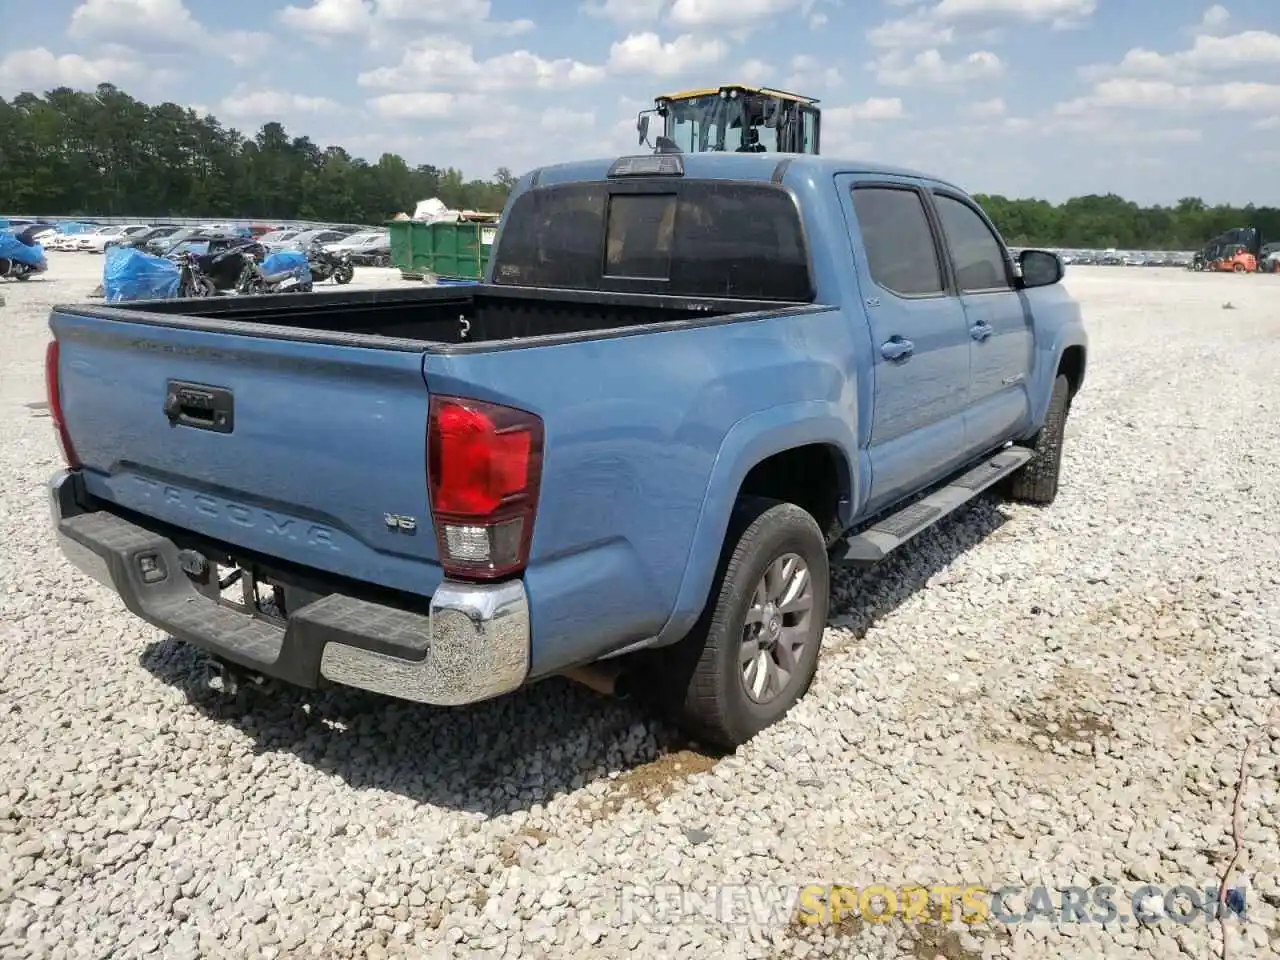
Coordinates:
875 543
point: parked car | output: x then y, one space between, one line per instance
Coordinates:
371 248
163 246
96 241
309 238
34 231
629 456
139 239
277 238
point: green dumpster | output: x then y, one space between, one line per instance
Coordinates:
447 251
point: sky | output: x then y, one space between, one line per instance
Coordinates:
1047 98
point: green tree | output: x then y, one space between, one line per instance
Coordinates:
81 153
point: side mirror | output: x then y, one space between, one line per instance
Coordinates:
642 127
1040 268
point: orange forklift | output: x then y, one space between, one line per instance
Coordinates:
1237 260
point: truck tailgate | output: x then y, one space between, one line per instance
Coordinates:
312 453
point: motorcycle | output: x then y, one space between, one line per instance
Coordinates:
325 264
17 270
20 260
225 262
192 280
253 280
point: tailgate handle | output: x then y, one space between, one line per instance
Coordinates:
200 406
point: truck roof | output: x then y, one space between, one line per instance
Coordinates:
733 166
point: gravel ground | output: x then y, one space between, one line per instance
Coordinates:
1021 697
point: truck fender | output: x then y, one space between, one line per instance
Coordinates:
748 442
1048 359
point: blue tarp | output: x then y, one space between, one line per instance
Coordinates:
130 274
294 261
11 248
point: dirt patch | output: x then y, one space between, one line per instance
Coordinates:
650 783
936 942
1067 724
525 838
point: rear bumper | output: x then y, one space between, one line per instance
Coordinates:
473 643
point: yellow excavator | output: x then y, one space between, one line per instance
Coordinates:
733 118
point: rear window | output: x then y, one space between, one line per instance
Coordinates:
693 238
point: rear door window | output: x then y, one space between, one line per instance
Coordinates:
901 255
699 238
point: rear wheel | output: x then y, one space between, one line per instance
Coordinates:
344 274
1239 268
754 651
199 287
1037 481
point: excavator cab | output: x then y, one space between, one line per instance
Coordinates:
733 119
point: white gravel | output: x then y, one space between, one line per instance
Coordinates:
1023 696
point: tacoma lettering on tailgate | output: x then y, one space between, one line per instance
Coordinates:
255 518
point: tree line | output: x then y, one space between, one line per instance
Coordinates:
76 153
105 153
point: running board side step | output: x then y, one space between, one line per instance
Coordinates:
872 545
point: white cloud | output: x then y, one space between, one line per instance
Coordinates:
727 13
329 18
386 19
1034 11
930 27
929 68
562 120
1214 19
645 53
809 73
1268 123
437 105
441 63
754 71
160 26
39 70
870 110
817 20
1133 94
1101 128
986 108
1208 54
137 23
245 104
626 11
910 33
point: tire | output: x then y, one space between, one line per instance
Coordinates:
344 274
702 676
1037 481
200 287
1238 268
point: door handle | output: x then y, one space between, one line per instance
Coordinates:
981 330
897 349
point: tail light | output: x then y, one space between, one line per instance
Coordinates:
54 395
484 465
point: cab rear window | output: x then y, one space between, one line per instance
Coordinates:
695 238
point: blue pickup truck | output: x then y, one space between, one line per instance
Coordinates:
687 387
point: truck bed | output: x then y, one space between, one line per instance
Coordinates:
440 319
